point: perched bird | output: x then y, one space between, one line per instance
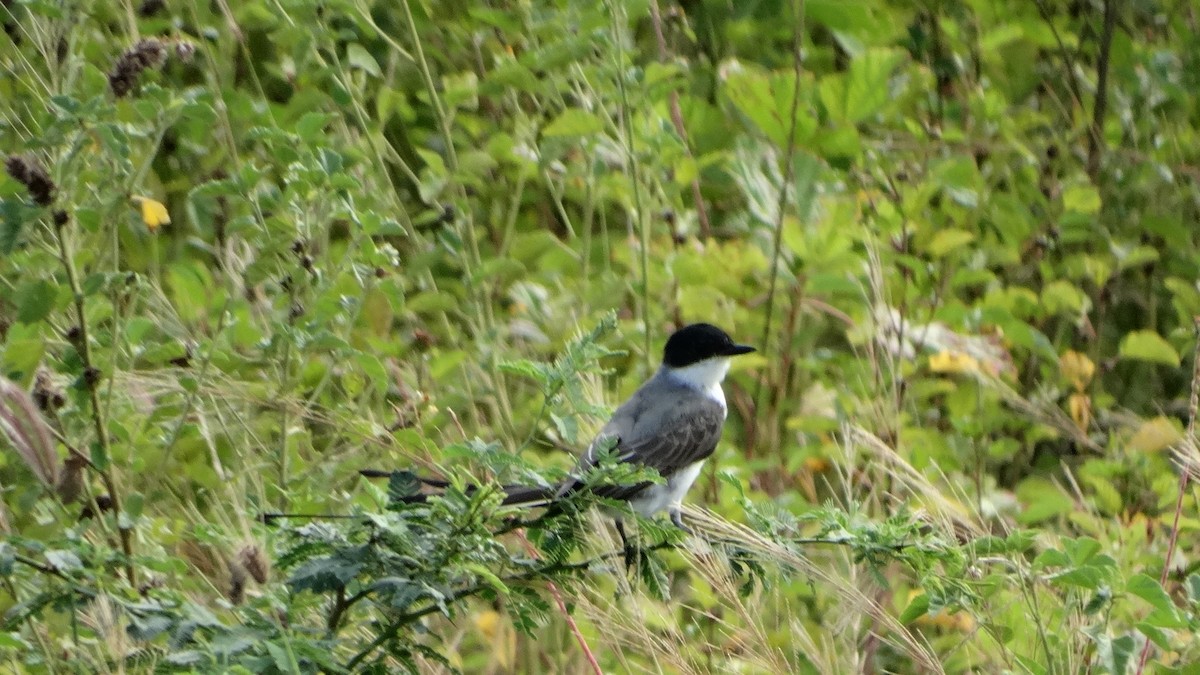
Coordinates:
671 424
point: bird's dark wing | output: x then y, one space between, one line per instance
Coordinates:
666 434
689 434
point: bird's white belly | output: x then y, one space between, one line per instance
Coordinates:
660 496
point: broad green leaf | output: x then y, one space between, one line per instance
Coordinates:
573 122
959 179
1081 199
23 354
1128 258
326 574
13 215
768 101
1063 296
1146 345
863 90
1000 36
1087 577
1081 550
1151 591
63 560
946 241
461 90
13 641
310 127
372 368
360 58
402 484
918 607
34 300
1155 435
431 302
1193 587
806 176
1043 500
1117 654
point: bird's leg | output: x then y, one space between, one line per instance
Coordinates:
676 513
627 549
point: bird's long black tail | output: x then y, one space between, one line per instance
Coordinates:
514 495
530 496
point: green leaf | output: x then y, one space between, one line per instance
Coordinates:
13 641
1151 591
863 90
1081 550
461 90
1081 199
806 176
371 367
326 574
1146 345
949 240
311 126
1088 577
768 101
402 484
1155 634
63 561
960 180
1193 587
488 576
13 214
23 354
526 368
432 302
1117 654
1063 296
360 58
654 575
573 122
918 607
1043 500
34 300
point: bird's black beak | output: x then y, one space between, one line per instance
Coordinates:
735 350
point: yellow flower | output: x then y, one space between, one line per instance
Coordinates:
1080 406
953 362
154 213
1077 368
816 464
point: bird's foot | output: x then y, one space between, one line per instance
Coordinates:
632 556
629 551
677 521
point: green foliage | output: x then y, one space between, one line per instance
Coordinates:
445 238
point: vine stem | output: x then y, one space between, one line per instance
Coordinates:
1184 478
677 120
781 206
90 376
1100 107
562 608
643 221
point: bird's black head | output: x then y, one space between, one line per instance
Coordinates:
697 342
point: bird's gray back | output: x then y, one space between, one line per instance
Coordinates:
665 425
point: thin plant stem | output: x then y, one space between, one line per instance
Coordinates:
1100 106
1184 477
677 120
90 375
562 608
781 206
643 222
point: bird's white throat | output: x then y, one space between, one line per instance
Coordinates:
705 376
